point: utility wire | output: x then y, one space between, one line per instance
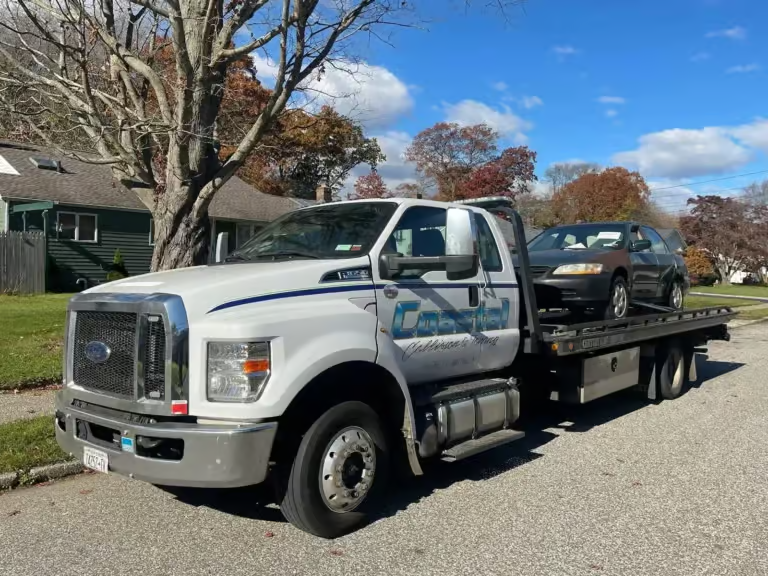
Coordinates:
708 181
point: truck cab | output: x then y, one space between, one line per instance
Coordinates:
343 343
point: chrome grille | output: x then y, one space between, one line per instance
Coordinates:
154 360
116 374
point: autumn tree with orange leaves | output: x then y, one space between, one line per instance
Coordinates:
460 162
612 194
369 187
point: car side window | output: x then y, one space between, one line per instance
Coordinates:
636 235
658 246
489 252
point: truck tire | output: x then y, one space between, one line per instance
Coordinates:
617 306
671 371
339 472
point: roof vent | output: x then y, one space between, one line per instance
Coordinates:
47 164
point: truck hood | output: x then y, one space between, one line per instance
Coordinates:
203 288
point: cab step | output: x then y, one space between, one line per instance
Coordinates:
478 445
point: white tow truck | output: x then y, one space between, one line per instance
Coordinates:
340 342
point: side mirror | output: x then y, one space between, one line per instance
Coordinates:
461 253
641 245
679 251
222 246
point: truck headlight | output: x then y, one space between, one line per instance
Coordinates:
237 371
579 269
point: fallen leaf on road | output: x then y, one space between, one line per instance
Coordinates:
14 513
636 483
269 534
595 566
86 491
337 553
608 474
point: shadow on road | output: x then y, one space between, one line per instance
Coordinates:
544 426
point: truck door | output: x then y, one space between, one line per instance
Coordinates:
645 269
499 298
429 318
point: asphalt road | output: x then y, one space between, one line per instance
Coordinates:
624 488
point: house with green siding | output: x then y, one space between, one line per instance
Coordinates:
87 215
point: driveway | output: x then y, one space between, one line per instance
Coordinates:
621 487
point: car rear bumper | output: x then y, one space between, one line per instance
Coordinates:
553 291
225 455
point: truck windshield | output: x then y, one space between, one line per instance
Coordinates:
341 230
580 237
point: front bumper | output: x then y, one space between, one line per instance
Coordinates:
226 455
556 290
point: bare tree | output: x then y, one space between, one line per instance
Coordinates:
563 173
757 193
91 66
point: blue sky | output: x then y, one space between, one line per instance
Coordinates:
675 88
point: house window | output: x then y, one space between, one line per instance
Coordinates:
244 232
77 227
151 231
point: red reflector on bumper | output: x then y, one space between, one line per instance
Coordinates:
179 407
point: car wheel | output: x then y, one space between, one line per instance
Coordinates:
618 300
676 296
339 472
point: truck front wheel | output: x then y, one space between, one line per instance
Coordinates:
338 473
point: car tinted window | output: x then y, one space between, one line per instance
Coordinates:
581 237
489 252
658 245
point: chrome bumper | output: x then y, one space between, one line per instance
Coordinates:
214 456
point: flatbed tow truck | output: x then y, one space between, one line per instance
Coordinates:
340 342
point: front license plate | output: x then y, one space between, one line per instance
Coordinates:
95 459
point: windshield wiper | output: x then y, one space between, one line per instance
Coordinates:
287 254
236 258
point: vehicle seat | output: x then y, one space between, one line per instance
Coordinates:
428 243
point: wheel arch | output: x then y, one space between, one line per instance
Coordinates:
367 382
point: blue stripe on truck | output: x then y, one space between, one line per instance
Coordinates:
354 288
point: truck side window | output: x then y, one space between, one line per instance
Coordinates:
489 252
657 242
420 232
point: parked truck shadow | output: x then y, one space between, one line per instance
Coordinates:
544 426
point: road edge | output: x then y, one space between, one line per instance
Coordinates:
11 480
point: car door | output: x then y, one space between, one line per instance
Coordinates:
500 298
645 268
665 262
430 319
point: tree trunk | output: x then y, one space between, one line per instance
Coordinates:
181 239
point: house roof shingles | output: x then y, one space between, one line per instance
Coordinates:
93 185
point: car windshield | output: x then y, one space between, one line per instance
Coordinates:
581 237
339 230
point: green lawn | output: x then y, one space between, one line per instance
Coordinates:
28 443
734 290
31 333
757 314
706 301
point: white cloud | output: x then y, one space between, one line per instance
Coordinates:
700 56
371 94
671 195
564 50
500 86
611 113
679 153
611 100
735 33
754 134
504 121
743 68
529 102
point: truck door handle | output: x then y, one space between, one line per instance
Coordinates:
474 296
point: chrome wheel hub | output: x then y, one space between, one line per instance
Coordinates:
619 301
347 469
677 297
